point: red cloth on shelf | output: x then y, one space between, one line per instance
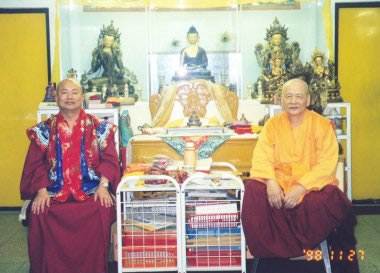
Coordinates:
243 129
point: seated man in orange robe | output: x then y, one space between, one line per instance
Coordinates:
292 202
70 164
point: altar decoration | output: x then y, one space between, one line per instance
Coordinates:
205 145
192 97
49 101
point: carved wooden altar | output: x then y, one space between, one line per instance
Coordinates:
194 96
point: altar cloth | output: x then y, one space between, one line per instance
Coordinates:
205 145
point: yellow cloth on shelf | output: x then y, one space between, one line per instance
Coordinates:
307 155
213 121
165 108
176 123
256 129
218 93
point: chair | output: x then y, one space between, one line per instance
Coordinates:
325 255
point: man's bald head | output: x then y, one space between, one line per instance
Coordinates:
71 80
70 96
295 84
295 98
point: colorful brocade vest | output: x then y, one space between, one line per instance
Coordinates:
72 157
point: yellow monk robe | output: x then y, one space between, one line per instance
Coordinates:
307 154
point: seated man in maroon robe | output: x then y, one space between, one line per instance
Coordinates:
292 202
69 171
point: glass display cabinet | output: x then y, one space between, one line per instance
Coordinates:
194 44
149 37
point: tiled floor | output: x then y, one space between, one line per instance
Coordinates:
14 255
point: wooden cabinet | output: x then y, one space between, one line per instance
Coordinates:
237 150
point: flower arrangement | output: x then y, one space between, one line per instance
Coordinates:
225 37
175 43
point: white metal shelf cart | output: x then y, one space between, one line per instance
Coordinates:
148 224
213 238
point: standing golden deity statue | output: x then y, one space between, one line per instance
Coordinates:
323 85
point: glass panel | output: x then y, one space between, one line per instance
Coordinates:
301 22
217 33
80 36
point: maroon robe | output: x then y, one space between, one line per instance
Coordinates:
70 237
286 233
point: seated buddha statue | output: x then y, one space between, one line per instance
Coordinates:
107 67
193 60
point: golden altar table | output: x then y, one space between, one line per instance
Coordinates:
237 150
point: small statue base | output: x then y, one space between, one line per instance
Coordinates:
127 101
100 106
178 78
118 101
194 120
334 95
48 105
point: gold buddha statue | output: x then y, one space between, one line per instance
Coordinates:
318 62
272 82
323 85
267 55
107 67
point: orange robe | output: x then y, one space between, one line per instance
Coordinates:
307 155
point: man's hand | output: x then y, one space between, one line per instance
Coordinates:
275 194
104 196
292 197
42 199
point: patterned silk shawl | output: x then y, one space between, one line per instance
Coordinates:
95 136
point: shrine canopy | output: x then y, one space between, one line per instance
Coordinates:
173 4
